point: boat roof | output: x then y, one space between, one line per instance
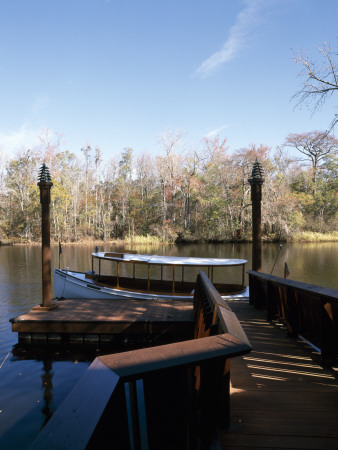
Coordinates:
169 260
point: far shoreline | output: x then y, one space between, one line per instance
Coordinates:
300 237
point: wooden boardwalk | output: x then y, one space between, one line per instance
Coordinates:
281 396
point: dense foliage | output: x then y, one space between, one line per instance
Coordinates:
180 195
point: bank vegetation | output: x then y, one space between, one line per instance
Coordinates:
180 195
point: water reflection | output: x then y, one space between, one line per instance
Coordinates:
34 382
47 385
20 269
30 390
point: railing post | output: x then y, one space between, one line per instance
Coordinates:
45 185
329 333
270 300
251 289
256 181
260 294
132 408
291 312
214 397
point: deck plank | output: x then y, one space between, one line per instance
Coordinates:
107 316
281 395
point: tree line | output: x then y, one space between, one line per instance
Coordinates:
199 194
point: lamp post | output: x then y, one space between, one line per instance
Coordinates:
256 181
45 185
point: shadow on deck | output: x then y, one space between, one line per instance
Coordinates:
281 395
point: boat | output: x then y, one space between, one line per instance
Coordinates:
130 275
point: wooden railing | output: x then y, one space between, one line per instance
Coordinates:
173 396
307 310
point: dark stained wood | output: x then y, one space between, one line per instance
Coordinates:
281 395
146 360
314 289
45 187
167 372
160 287
309 311
256 198
72 425
109 316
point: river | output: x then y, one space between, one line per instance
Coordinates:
33 384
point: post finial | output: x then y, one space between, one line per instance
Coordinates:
257 174
44 175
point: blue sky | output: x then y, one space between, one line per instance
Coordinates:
115 74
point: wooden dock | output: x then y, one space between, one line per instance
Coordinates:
87 320
281 395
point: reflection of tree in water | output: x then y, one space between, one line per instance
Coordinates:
47 385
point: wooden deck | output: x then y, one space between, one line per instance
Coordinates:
281 396
109 317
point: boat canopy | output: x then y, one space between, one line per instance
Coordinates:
164 261
168 260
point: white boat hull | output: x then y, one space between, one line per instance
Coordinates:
69 284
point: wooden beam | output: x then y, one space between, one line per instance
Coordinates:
148 360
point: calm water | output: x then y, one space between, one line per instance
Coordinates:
32 385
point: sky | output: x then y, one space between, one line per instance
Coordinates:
115 74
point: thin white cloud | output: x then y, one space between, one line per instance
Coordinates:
22 138
25 136
247 20
217 131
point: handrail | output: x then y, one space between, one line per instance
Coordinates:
135 363
309 311
299 285
126 383
222 316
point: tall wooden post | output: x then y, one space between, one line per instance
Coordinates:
45 185
256 181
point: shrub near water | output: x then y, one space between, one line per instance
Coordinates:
311 236
145 240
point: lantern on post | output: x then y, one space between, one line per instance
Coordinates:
45 185
256 181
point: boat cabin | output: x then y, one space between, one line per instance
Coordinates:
162 274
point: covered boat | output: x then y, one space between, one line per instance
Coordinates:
132 275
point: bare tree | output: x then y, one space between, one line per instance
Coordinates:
98 160
87 154
145 175
169 169
189 169
50 144
316 146
321 78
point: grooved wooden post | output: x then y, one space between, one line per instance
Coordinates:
45 185
256 181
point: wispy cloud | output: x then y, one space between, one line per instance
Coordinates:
22 138
246 22
216 131
25 136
